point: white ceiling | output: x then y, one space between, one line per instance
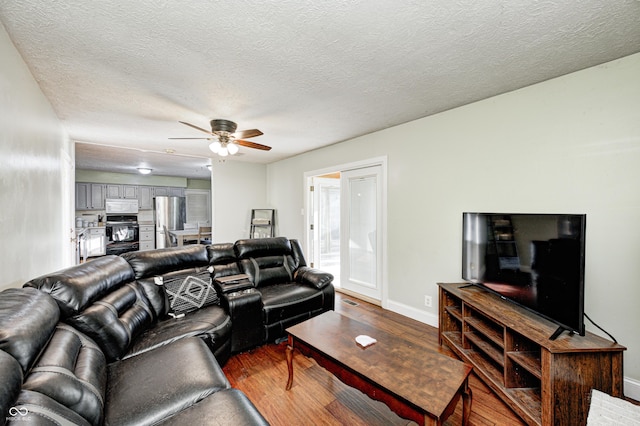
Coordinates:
308 73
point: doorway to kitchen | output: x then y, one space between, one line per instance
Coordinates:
346 226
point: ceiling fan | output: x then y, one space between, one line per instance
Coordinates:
226 138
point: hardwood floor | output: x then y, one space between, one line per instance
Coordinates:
318 398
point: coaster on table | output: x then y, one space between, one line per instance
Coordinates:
364 340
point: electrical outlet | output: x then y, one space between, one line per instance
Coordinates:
427 301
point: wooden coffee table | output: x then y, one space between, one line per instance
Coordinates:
415 383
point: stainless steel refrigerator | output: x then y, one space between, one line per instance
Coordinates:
170 215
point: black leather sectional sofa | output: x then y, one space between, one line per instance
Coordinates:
139 339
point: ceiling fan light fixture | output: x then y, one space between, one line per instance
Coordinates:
221 125
144 170
215 146
232 148
225 133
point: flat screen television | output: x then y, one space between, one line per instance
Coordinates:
534 260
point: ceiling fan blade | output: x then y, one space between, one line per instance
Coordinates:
252 145
208 139
196 127
245 134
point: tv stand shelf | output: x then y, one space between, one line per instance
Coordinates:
544 381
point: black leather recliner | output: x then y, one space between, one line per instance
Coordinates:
291 291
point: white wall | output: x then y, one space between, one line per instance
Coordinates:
33 231
571 145
236 188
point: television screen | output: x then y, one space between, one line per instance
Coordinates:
534 260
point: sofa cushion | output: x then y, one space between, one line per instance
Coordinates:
268 270
289 300
188 292
267 261
28 317
154 385
72 371
223 258
114 321
212 324
10 382
34 408
231 408
158 262
77 287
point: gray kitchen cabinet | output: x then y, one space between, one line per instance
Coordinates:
83 196
97 196
122 191
130 192
168 191
90 196
114 191
147 237
145 197
176 192
160 191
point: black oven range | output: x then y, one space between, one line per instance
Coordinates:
122 232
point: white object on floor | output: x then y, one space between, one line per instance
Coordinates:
365 341
606 410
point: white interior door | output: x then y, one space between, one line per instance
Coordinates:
325 224
361 225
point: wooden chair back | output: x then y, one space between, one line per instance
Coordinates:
204 235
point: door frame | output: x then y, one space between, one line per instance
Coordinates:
318 183
70 255
375 161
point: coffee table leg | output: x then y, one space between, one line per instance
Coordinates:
466 403
289 353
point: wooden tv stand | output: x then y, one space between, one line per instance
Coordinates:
546 382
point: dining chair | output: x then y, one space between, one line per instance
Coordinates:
204 234
168 241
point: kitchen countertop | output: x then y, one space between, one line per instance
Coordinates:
80 231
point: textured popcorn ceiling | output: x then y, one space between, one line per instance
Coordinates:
306 73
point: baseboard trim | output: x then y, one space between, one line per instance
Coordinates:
632 388
413 313
358 296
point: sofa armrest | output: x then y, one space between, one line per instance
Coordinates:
232 283
314 277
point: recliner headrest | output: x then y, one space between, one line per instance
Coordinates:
77 287
221 254
161 261
262 247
